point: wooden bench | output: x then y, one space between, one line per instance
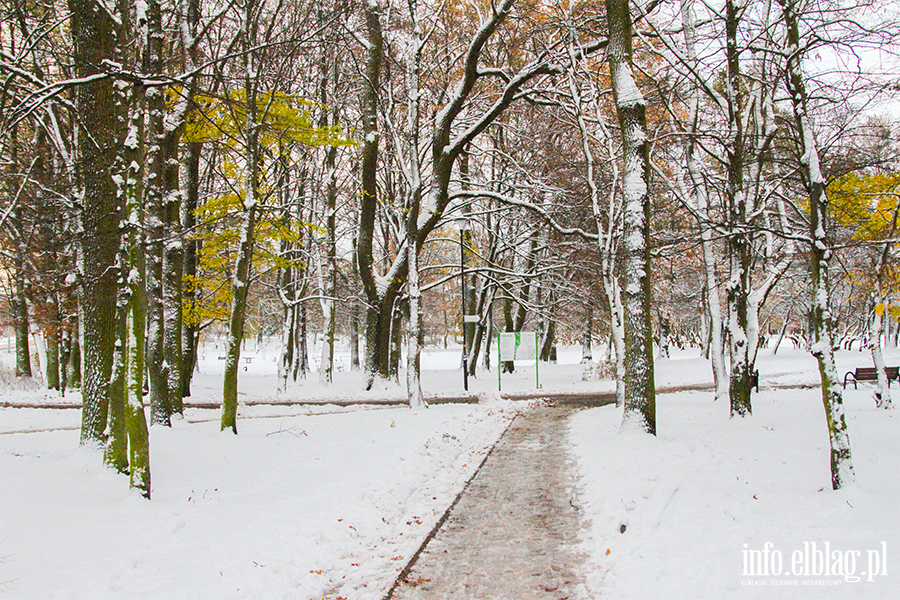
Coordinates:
870 374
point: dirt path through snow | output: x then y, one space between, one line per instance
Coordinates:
512 534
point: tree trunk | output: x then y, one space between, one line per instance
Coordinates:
51 336
354 310
21 325
379 305
876 331
116 451
240 284
161 408
401 308
93 32
821 319
485 299
640 393
714 310
587 332
243 260
190 331
489 335
739 244
173 276
329 276
73 362
414 328
135 320
301 360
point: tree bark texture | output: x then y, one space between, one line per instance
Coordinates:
93 32
640 393
243 260
821 318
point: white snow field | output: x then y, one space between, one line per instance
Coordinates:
330 502
700 502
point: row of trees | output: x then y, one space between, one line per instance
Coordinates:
651 173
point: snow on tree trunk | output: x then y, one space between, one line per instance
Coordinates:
739 243
413 333
587 332
19 300
879 313
821 319
876 332
133 342
640 393
160 402
190 333
328 271
485 298
173 277
713 305
126 179
240 285
354 314
616 324
93 32
116 450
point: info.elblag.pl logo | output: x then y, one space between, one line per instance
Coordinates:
816 563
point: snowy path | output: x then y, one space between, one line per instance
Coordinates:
511 536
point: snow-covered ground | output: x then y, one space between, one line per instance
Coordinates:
689 513
324 501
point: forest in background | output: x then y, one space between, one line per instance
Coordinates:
636 173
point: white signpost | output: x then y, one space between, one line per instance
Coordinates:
517 346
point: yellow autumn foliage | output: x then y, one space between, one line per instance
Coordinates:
286 122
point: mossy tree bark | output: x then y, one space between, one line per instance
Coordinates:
243 260
94 34
821 318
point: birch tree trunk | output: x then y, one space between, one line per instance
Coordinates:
821 319
640 392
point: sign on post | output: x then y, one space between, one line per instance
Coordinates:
517 346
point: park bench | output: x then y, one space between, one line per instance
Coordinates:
870 374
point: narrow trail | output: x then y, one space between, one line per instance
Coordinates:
512 534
